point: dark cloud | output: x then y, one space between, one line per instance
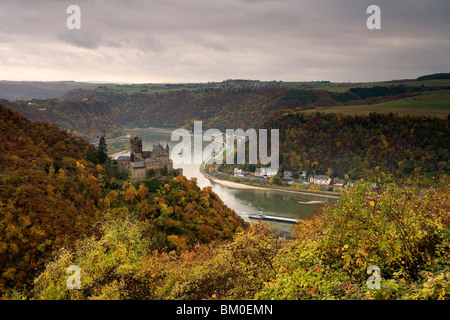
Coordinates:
202 40
83 39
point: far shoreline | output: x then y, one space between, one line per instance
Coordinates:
154 129
238 185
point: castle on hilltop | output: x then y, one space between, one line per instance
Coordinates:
146 164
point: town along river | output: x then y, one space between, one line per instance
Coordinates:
242 201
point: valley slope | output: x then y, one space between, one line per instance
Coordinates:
86 118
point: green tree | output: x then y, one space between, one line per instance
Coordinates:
153 184
91 154
102 152
276 180
150 173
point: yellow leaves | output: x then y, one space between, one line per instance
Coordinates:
50 189
105 203
3 247
359 262
11 231
143 208
142 191
80 167
130 194
312 293
25 221
372 203
9 273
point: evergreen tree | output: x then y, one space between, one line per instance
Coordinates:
102 153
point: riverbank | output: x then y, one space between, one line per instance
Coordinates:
241 185
153 129
119 153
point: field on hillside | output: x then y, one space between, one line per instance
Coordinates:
426 103
345 86
151 88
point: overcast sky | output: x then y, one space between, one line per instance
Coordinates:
214 40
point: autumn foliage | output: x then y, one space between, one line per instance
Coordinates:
168 239
359 146
50 196
328 258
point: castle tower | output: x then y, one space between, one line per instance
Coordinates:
136 149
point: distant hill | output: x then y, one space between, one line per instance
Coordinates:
435 103
241 107
356 145
25 90
87 118
435 76
229 104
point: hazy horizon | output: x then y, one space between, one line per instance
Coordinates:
205 82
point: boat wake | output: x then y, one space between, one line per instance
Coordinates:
310 202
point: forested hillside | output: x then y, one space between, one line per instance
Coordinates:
167 239
104 110
51 196
88 118
243 107
26 90
357 146
403 232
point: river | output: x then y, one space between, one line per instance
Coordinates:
242 201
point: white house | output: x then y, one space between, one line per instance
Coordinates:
338 182
238 172
265 172
320 180
288 174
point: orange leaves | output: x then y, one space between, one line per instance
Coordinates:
179 243
143 208
50 193
92 188
130 194
142 191
100 169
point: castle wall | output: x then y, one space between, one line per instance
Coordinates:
138 173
